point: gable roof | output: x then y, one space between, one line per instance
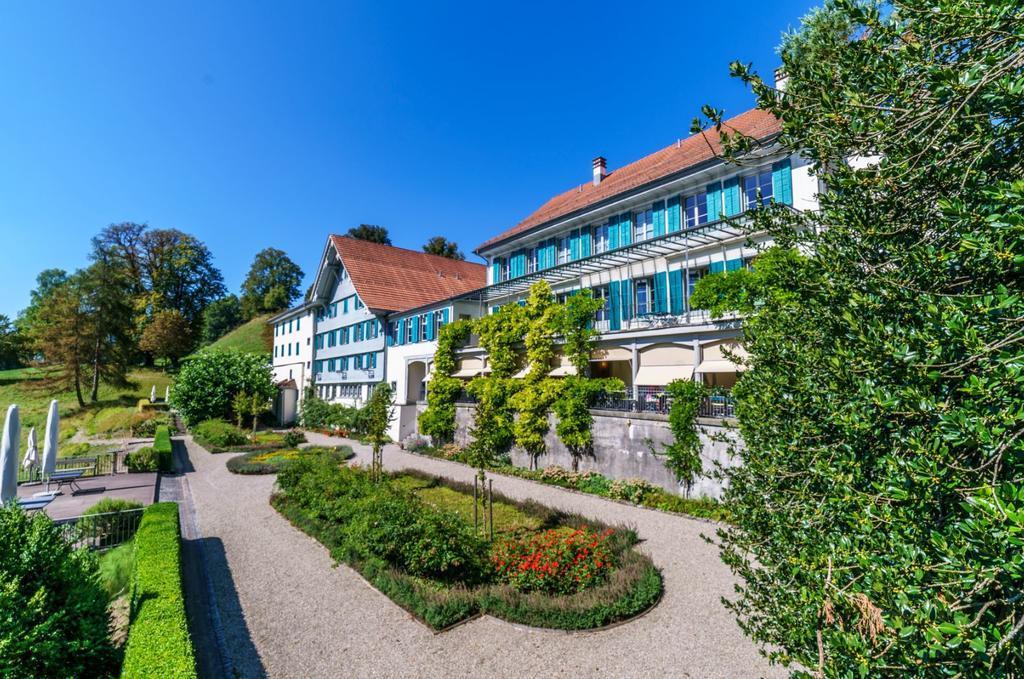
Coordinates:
387 278
680 156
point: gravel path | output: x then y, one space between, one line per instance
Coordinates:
288 612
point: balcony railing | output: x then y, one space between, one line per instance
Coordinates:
99 464
101 531
716 407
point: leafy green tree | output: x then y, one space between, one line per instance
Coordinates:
180 274
682 456
272 283
12 344
46 281
220 317
438 420
370 232
207 383
62 336
441 246
879 506
109 308
55 621
168 336
377 415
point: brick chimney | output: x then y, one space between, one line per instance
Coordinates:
600 169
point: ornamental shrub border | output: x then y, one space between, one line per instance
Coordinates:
159 645
247 465
632 589
654 497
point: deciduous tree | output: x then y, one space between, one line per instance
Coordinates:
272 283
370 232
220 317
168 336
441 246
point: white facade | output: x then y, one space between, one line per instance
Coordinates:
293 347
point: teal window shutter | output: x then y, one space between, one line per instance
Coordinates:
613 236
444 317
716 267
415 320
625 229
673 214
714 192
732 196
496 270
574 245
733 264
660 293
675 290
626 288
658 212
614 319
585 235
401 331
782 182
430 326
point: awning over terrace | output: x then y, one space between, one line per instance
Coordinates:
662 246
469 367
715 360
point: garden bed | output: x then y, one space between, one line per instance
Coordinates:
634 492
412 537
218 436
271 462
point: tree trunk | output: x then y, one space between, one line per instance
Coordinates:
95 372
78 386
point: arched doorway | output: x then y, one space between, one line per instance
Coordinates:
414 384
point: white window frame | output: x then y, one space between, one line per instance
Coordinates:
643 230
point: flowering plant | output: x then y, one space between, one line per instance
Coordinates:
554 562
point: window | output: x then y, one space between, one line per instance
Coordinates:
408 331
289 349
357 361
438 323
644 296
298 321
289 326
563 250
297 345
359 332
359 303
600 238
344 306
695 209
757 189
601 293
643 225
423 327
275 351
506 271
531 260
694 276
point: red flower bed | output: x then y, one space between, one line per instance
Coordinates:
554 562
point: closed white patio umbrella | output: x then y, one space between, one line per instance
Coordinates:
10 446
152 394
50 440
31 452
167 394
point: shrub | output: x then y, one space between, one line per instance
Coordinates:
144 459
207 383
163 448
54 611
217 433
632 490
319 414
293 437
116 568
145 406
415 443
111 526
554 562
144 424
273 462
159 644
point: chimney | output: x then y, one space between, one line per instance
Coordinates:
780 79
600 169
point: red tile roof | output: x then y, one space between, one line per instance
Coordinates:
685 154
394 279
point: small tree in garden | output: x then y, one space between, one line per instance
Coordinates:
377 412
682 456
54 621
241 405
258 404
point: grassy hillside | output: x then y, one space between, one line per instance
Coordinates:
254 336
31 390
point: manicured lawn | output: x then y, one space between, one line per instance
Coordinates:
30 389
253 336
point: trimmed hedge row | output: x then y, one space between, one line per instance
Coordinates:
162 446
159 644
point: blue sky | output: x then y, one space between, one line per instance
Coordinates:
272 124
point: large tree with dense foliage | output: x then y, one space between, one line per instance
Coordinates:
370 232
168 336
441 246
272 283
12 344
880 505
220 317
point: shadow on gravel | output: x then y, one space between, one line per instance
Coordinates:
225 620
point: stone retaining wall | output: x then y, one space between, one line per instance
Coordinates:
623 445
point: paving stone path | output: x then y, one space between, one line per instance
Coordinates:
285 610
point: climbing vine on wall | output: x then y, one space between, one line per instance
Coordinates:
438 420
682 456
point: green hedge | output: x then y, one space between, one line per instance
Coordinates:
159 644
162 446
144 404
